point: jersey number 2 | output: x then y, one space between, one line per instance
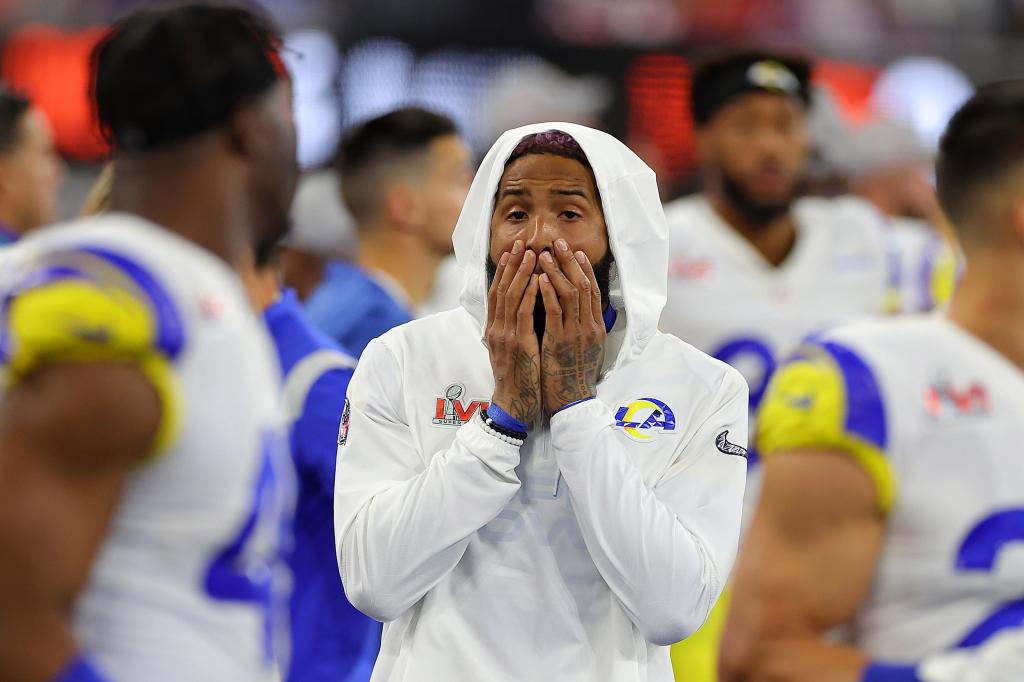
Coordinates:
978 552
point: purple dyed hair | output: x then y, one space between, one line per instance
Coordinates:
550 142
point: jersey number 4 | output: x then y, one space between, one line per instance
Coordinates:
978 552
247 569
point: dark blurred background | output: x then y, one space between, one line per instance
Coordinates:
493 64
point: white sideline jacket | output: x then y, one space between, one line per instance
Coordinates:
581 555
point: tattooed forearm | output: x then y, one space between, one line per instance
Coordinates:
527 400
570 371
524 367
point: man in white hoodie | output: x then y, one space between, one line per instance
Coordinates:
539 485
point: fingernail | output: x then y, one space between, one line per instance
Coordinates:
546 256
529 254
544 277
562 246
581 257
504 258
517 247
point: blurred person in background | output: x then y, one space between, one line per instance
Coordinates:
404 177
30 169
322 231
563 500
892 512
531 90
891 168
754 267
886 163
144 480
888 166
331 640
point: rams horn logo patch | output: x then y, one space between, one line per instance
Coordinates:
645 418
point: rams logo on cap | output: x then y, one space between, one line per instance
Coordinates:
773 75
645 418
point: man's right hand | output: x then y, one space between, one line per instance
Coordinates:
510 335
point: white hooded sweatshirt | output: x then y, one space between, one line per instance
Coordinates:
582 554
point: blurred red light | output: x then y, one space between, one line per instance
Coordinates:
51 67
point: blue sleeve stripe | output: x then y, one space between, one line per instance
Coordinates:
879 672
37 278
865 414
170 329
80 669
609 316
568 405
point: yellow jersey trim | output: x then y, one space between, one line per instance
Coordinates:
806 408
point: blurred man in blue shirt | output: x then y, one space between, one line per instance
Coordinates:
404 177
331 640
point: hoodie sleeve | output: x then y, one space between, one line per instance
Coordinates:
403 518
666 549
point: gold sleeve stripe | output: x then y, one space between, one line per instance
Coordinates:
77 320
828 400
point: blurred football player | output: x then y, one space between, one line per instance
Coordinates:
893 498
144 480
754 268
404 177
30 169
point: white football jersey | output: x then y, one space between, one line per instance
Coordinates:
848 261
936 417
187 583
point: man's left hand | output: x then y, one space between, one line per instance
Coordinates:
573 345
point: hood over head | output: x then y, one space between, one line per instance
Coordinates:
637 233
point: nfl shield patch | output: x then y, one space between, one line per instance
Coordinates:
343 430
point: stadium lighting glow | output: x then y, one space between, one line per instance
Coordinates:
924 92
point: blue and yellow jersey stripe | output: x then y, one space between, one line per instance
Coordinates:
827 398
92 305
